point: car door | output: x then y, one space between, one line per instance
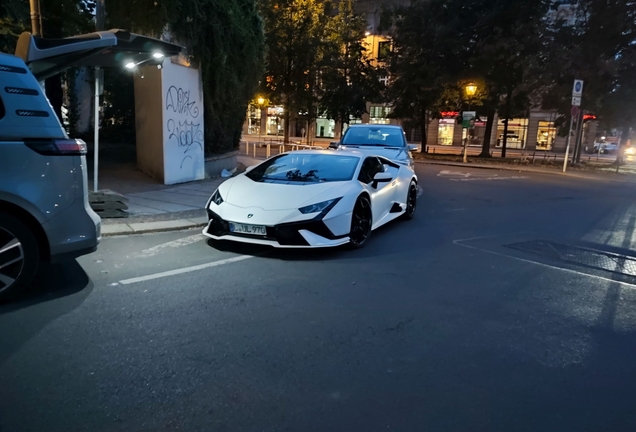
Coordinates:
381 193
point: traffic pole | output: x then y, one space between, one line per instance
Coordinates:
573 113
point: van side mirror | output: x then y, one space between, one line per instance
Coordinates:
334 145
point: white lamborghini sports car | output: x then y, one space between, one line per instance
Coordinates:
311 199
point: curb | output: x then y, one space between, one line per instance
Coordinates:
121 229
521 169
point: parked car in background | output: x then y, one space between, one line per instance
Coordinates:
388 141
44 208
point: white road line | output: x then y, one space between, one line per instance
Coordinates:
458 243
171 244
184 270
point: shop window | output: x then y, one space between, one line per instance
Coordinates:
546 135
517 133
384 50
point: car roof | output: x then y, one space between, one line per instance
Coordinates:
359 154
369 125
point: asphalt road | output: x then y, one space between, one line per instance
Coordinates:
481 314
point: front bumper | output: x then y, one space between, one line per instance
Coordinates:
304 234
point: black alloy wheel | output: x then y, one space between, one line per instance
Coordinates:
19 256
411 201
361 222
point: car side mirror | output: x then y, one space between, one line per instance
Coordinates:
334 144
382 177
413 147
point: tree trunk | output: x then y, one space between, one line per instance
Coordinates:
505 134
286 116
55 94
424 127
485 149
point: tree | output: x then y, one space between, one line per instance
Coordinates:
348 78
504 41
14 19
427 57
294 30
224 38
592 40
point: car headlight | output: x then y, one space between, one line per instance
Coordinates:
315 208
630 151
216 198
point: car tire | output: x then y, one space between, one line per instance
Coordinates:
361 223
411 202
19 256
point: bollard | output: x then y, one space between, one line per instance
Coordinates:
269 150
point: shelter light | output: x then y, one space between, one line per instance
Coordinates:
130 65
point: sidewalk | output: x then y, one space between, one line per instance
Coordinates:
153 207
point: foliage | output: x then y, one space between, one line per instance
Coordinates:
595 45
294 31
348 78
14 19
225 38
427 59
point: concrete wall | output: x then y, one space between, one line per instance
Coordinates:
182 105
148 122
169 122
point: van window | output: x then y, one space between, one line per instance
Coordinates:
1 109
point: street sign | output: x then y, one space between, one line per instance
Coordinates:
468 119
577 90
576 101
575 111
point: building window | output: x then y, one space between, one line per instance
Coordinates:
379 115
517 133
384 50
546 135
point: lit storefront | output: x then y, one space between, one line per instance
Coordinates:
253 119
446 127
275 120
517 133
546 135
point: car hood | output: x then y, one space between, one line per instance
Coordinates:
244 192
398 154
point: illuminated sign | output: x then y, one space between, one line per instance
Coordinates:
449 113
589 117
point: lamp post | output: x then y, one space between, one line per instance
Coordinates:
470 90
261 102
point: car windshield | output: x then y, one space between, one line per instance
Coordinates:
374 136
305 168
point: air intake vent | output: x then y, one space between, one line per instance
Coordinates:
31 113
21 91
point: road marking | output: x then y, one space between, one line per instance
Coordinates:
171 244
184 270
459 243
489 178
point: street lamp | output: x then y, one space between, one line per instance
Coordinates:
470 89
261 102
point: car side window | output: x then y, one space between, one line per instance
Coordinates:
2 111
370 167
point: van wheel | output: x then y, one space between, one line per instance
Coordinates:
19 256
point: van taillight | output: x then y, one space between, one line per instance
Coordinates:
57 147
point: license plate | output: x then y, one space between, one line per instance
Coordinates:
248 229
